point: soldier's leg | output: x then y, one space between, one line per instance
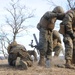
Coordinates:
42 46
49 46
19 63
49 50
26 58
73 58
68 51
57 50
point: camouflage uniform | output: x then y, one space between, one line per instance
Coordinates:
45 26
57 45
32 52
69 37
18 50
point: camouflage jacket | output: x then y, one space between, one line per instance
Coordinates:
20 51
11 47
69 21
48 20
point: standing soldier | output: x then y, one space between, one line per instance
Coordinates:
18 56
57 44
68 24
45 26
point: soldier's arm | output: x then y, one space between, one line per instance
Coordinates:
49 15
67 21
60 16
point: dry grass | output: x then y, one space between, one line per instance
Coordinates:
5 69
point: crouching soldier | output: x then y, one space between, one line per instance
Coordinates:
18 56
57 44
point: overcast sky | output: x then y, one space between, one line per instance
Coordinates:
41 7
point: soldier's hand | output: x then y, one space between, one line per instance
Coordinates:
72 36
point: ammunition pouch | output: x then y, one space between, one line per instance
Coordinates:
62 29
51 23
47 24
50 26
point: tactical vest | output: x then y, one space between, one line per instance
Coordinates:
47 24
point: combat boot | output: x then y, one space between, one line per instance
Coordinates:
20 63
69 64
41 61
49 61
24 64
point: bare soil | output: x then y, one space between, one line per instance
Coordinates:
5 69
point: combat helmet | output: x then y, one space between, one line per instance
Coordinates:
58 9
13 43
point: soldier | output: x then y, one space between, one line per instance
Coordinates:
45 26
57 44
32 52
18 56
68 24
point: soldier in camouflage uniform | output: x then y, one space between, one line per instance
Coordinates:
32 52
57 44
69 38
45 26
18 56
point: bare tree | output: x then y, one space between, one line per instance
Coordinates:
18 15
15 22
2 45
51 3
71 3
4 41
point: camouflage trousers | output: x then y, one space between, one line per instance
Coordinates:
69 48
45 42
57 49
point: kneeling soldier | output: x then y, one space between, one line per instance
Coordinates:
18 56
